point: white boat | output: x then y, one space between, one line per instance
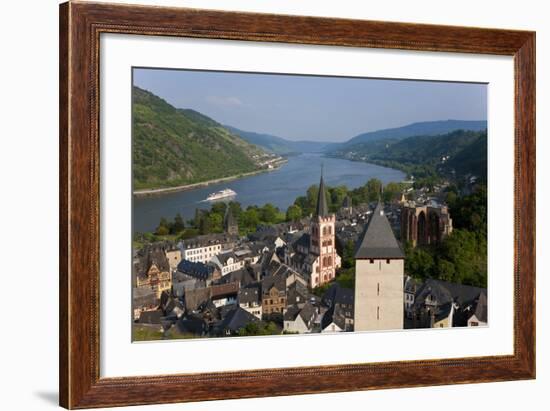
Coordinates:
221 194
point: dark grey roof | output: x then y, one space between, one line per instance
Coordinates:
195 269
243 276
223 257
192 324
444 292
249 295
378 240
302 241
338 295
332 316
306 312
208 240
291 313
235 319
297 293
322 207
278 281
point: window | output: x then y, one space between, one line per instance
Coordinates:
474 324
377 313
388 261
378 289
371 261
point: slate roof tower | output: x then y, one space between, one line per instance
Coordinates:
379 276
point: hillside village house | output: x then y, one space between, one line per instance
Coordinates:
228 262
152 270
440 304
204 247
250 300
299 320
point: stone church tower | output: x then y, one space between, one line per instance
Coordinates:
230 222
322 241
379 276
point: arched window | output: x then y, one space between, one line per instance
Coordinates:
324 231
329 230
329 261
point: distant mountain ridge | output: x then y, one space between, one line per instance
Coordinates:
283 146
173 147
280 145
424 128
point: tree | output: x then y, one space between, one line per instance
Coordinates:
470 212
293 213
445 270
205 225
215 222
250 218
374 187
348 257
218 208
391 191
268 213
336 197
163 227
178 225
419 263
346 278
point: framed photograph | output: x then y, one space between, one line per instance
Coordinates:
256 205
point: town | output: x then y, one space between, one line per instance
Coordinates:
287 278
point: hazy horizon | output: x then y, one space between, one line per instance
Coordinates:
315 108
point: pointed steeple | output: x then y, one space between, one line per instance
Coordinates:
378 240
322 207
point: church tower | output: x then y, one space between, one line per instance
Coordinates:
379 276
322 241
230 222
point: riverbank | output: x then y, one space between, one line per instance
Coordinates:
167 190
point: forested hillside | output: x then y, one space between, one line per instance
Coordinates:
173 147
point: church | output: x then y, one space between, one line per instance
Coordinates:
314 253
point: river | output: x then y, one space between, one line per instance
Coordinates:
279 187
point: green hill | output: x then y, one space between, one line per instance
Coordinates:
461 151
471 160
173 147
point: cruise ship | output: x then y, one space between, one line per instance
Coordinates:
221 194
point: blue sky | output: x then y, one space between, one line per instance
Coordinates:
312 107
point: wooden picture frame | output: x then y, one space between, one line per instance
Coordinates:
80 27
